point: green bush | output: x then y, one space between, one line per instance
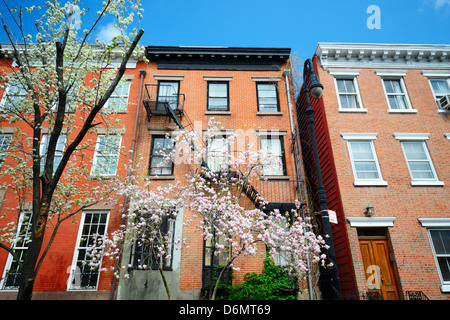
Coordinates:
272 284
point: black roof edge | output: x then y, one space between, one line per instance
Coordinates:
186 50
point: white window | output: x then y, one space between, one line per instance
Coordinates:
106 155
274 145
217 154
118 101
418 159
347 90
441 87
395 91
364 161
13 97
82 276
60 146
12 273
5 141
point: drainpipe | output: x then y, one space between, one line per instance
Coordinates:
297 169
125 202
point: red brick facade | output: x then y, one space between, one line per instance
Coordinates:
402 206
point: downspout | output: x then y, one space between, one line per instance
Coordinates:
298 171
125 202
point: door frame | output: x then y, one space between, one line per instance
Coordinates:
381 233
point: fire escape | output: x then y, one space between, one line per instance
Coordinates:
280 194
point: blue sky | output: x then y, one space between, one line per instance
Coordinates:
295 24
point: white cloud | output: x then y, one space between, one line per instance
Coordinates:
438 4
106 33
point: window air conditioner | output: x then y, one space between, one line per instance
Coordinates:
444 102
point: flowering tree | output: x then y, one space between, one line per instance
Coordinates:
214 199
59 79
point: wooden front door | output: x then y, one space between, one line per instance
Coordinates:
379 267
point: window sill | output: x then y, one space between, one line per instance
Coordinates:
370 183
427 183
265 113
99 177
275 178
402 111
441 111
445 288
353 110
161 177
218 112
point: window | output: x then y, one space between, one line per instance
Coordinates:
167 94
441 87
366 169
348 94
276 147
217 153
440 239
267 97
106 156
218 96
161 146
60 146
83 277
14 95
396 95
418 159
118 101
5 141
147 253
12 273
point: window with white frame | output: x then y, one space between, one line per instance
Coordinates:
218 153
13 97
5 141
418 160
92 227
348 94
59 151
12 273
364 161
347 90
395 91
274 145
440 238
118 101
441 88
106 156
159 164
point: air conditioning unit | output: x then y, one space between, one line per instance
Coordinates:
444 102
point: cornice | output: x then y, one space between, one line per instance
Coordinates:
357 55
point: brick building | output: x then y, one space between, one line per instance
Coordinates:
245 90
383 128
62 275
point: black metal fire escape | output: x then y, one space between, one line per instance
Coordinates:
155 107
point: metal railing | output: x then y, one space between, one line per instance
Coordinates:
157 104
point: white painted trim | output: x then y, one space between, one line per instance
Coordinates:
435 74
168 77
217 78
344 72
447 135
371 221
391 73
435 222
411 136
266 78
359 136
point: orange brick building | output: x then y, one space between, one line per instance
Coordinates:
245 90
383 129
62 275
